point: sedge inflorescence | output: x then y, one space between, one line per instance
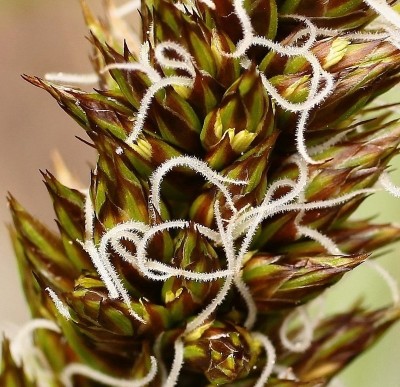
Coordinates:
232 234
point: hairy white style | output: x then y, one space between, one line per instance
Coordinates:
389 280
101 268
27 355
72 79
148 97
382 8
388 185
302 340
314 98
186 62
248 298
62 309
229 249
89 216
258 214
80 369
322 239
177 364
19 344
196 165
336 139
151 73
157 348
104 267
270 358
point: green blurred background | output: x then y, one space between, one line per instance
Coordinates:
39 36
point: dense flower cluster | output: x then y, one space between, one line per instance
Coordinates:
232 149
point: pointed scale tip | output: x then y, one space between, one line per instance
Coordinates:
12 202
36 81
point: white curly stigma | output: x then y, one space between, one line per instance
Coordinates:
172 378
302 340
248 298
314 97
258 214
186 63
196 165
150 268
326 242
23 338
150 72
89 216
83 370
72 79
25 354
314 234
270 358
62 309
388 185
148 97
157 348
99 257
246 218
336 139
389 280
229 250
382 8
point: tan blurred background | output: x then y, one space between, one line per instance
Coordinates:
35 37
39 36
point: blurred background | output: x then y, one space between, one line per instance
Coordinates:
43 36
